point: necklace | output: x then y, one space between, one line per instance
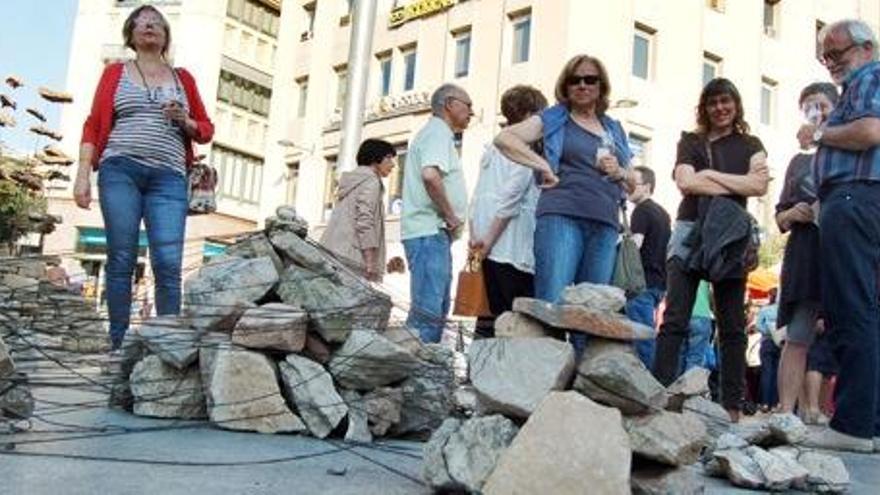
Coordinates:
151 95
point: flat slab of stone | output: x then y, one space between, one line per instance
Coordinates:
511 324
582 319
619 379
7 366
667 437
244 394
569 445
693 382
780 472
313 393
368 360
598 297
222 289
163 391
827 473
171 338
273 326
667 481
713 415
512 376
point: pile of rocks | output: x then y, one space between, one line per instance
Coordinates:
278 336
543 424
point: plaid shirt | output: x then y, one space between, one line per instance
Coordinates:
860 99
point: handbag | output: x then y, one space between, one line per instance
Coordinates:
629 274
470 294
201 183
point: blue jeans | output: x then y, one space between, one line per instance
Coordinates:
770 354
131 192
641 309
569 251
696 351
850 252
430 266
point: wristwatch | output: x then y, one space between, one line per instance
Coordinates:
817 135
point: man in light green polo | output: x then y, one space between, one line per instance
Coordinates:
434 206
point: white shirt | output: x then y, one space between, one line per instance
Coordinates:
506 189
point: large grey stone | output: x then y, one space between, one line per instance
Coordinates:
7 366
255 245
780 472
739 468
383 407
598 297
827 472
517 325
163 391
693 382
582 319
667 481
368 360
434 469
244 394
16 400
787 428
756 431
713 415
287 219
568 444
667 437
295 249
465 458
273 326
619 379
512 376
334 309
313 393
427 391
221 290
171 338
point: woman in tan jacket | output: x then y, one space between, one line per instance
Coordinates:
356 231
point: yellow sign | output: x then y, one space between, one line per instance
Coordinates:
422 8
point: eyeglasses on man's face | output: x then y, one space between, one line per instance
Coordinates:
834 56
464 102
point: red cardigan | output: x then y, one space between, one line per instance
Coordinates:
96 130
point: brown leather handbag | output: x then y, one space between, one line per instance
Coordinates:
470 295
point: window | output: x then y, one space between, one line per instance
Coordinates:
292 178
255 14
640 146
303 98
241 175
395 182
330 183
643 41
819 27
711 67
771 15
309 10
245 94
409 68
716 5
768 100
462 52
348 8
384 74
341 85
522 30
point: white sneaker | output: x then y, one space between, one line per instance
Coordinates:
829 439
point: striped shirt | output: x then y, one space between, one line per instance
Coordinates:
141 131
860 99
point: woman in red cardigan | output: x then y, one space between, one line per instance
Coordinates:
139 136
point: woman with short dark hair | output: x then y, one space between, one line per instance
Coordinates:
139 135
356 230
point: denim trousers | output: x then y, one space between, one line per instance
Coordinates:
849 241
641 309
681 290
568 251
697 347
770 354
130 192
430 265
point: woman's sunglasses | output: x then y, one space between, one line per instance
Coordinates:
589 80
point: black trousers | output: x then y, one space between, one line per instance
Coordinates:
504 283
728 295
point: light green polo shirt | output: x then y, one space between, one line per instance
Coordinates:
434 145
702 306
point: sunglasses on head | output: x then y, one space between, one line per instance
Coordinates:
589 80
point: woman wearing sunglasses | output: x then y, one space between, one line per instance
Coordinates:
139 134
584 169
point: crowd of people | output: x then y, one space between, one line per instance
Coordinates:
546 213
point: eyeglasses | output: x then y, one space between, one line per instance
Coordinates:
589 80
834 56
463 102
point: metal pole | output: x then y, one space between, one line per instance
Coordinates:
359 50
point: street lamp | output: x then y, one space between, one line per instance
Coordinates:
287 143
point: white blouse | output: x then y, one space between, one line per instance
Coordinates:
506 189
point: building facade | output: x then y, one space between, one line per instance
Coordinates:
273 75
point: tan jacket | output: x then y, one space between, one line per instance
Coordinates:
358 220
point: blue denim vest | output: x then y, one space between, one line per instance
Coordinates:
553 120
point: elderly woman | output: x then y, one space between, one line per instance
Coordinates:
800 298
139 136
502 212
356 231
578 211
